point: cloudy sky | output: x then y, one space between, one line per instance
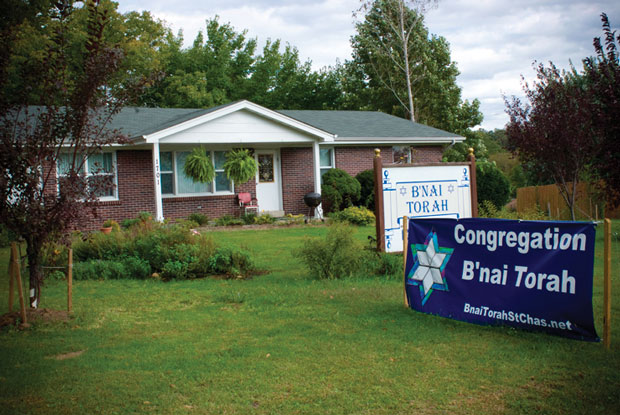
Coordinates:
493 42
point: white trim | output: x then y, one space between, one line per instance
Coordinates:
238 106
316 154
159 208
389 141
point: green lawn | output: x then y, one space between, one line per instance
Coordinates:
283 343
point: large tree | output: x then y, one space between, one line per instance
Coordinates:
399 68
554 129
602 75
66 130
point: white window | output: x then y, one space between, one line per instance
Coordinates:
174 182
327 160
99 170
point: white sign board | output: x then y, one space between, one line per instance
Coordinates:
423 192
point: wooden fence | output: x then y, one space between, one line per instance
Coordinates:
548 199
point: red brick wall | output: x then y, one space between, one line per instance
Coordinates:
297 178
136 192
357 159
427 154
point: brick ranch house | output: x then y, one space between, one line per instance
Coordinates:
292 149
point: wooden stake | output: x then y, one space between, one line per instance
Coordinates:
474 185
70 281
607 287
405 250
11 282
18 278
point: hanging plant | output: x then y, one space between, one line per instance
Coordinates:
240 165
198 166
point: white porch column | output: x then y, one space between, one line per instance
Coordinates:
316 155
159 208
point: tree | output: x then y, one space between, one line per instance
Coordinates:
602 75
400 69
555 129
390 42
62 133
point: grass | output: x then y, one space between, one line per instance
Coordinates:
286 344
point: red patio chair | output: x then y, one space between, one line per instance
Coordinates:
247 202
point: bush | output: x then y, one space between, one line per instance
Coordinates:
383 264
488 210
492 184
231 261
199 218
367 188
355 216
339 189
228 220
128 267
265 219
249 218
336 256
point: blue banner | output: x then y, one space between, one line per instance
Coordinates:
528 274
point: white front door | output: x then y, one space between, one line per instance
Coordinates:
268 189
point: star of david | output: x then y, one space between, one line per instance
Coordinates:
428 271
403 191
451 188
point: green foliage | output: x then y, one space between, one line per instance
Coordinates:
199 218
6 236
336 256
229 220
492 184
488 210
231 261
339 189
354 215
366 179
111 223
382 264
240 165
400 68
124 268
265 219
198 166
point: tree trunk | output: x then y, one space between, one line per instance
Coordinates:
405 41
33 251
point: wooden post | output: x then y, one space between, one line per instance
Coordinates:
18 278
607 286
11 284
70 281
474 186
379 216
405 251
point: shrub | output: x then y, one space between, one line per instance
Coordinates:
248 218
99 270
265 219
199 218
228 220
355 216
6 236
492 184
367 188
335 256
488 210
231 261
175 270
339 189
383 264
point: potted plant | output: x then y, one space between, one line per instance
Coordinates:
240 165
108 225
198 166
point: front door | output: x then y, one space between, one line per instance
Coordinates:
268 190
